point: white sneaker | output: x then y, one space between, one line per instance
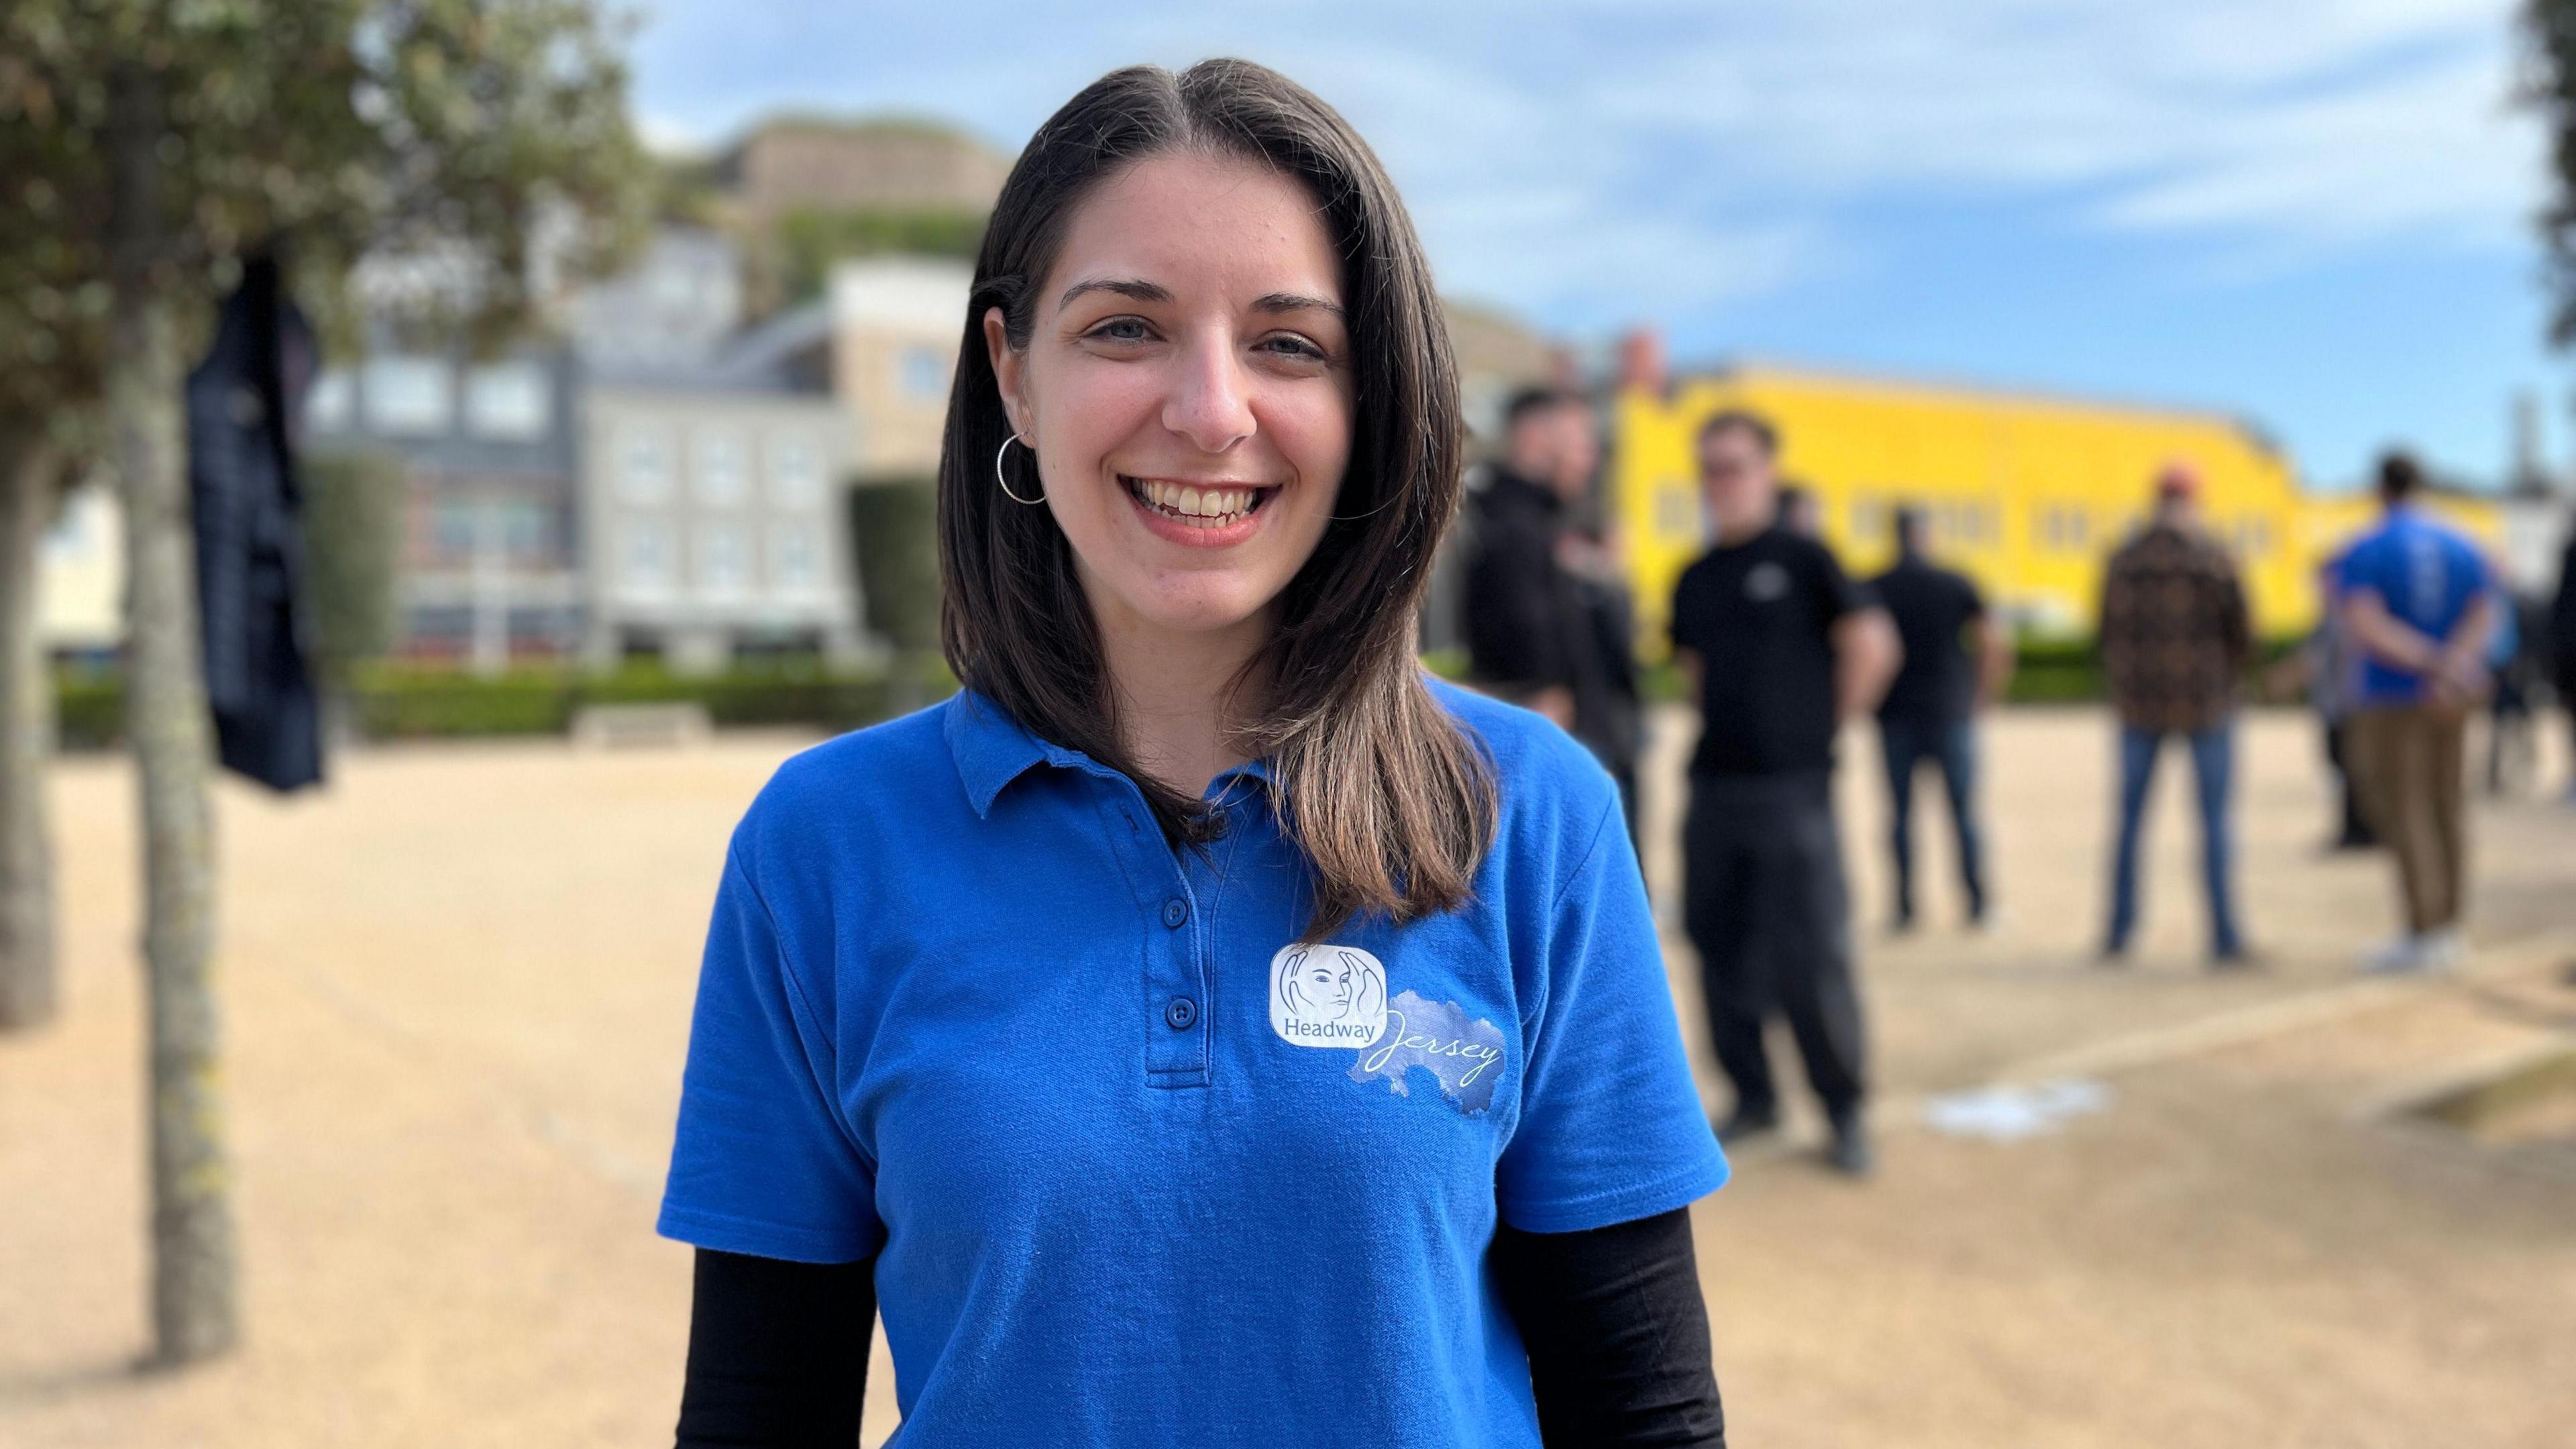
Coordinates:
2441 950
2398 957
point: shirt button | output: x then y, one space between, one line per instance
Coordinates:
1180 1012
1175 911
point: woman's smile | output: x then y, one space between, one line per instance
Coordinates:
1194 513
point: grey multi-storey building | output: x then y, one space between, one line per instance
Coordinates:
490 552
712 495
659 482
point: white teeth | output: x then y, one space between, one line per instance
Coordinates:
1201 506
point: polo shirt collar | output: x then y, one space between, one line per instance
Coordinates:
992 749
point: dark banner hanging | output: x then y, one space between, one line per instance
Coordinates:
243 401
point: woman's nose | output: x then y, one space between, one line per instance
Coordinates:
1210 403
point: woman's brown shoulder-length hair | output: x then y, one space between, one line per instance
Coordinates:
1392 803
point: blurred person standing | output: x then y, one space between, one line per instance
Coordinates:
2420 601
2174 634
2513 658
1527 640
1549 623
1930 710
1800 511
1780 647
2332 671
2562 648
1609 710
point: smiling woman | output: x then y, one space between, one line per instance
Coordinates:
1202 960
1140 366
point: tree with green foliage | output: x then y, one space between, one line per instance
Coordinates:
804 244
53 335
166 140
352 536
894 539
2549 27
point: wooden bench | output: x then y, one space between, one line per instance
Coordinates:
611 725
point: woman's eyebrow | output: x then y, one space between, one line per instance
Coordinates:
1133 287
1296 302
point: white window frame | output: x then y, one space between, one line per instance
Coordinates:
921 373
643 462
795 472
410 396
719 467
729 542
332 404
510 402
633 535
799 539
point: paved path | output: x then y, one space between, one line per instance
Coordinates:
457 989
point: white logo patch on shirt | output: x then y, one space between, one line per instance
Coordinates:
1766 581
1327 996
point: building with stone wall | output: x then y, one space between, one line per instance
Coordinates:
896 325
792 163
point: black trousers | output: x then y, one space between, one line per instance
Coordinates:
1768 910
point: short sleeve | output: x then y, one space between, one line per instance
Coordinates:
2483 575
1685 625
1972 600
2353 570
762 1163
1610 1127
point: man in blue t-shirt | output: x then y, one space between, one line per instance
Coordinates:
2419 601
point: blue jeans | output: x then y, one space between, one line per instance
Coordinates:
2213 763
1951 744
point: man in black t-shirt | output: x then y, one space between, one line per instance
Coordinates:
1930 710
1527 638
1781 647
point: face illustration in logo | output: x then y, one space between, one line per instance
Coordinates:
1327 996
1320 984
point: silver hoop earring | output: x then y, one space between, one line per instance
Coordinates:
1000 477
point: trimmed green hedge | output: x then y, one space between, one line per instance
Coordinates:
89 710
399 702
2045 671
389 701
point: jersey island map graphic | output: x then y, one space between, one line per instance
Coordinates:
1335 996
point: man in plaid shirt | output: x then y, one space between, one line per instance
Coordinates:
2174 635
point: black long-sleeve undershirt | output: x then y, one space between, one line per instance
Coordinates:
1617 1334
1613 1320
778 1353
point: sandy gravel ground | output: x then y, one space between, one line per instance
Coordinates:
457 988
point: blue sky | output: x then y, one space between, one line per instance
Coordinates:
2314 213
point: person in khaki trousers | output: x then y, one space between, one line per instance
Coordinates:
2419 600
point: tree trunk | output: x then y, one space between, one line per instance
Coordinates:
27 989
193 1310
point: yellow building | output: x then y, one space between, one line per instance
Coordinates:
2027 494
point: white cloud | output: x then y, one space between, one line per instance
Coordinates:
1646 157
2327 120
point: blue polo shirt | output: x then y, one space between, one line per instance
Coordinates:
1136 1167
2428 574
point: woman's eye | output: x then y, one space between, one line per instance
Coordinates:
1121 329
1289 345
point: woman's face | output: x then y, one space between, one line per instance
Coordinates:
1186 389
1326 987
